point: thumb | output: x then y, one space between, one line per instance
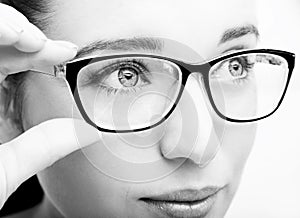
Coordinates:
40 147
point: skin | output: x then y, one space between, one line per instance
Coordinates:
74 187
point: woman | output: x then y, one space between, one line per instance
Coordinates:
161 160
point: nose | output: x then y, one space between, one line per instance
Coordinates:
190 128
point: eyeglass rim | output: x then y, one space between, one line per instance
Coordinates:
186 70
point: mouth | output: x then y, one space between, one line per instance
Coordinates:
187 203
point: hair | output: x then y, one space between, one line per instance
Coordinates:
13 88
36 11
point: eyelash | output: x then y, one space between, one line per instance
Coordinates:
114 65
112 91
246 66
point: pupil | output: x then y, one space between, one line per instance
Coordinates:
128 77
235 68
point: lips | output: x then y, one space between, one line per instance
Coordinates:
183 203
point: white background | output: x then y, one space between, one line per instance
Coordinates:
270 187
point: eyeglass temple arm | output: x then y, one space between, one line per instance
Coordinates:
56 71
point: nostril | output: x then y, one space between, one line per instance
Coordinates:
190 130
172 136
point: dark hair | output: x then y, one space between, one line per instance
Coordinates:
37 11
12 90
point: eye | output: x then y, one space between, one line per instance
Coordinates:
128 77
129 74
235 68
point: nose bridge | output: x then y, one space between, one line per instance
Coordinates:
195 88
189 128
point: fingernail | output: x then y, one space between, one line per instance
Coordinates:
38 33
68 45
40 36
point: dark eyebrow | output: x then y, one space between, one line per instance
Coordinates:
154 44
131 44
238 32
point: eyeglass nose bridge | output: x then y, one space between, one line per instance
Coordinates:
202 71
187 69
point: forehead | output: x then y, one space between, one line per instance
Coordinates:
197 24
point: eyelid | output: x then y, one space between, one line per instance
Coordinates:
219 66
231 50
112 66
130 62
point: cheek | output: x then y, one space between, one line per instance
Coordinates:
84 193
237 144
46 98
49 98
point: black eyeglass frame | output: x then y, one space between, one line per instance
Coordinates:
73 68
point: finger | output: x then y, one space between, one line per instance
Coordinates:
53 53
9 13
41 146
8 34
31 39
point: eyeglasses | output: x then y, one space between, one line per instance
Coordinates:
136 92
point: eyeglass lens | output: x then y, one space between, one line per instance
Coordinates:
128 93
248 86
136 92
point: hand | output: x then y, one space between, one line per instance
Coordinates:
24 47
40 147
23 43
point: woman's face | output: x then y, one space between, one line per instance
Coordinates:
93 182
